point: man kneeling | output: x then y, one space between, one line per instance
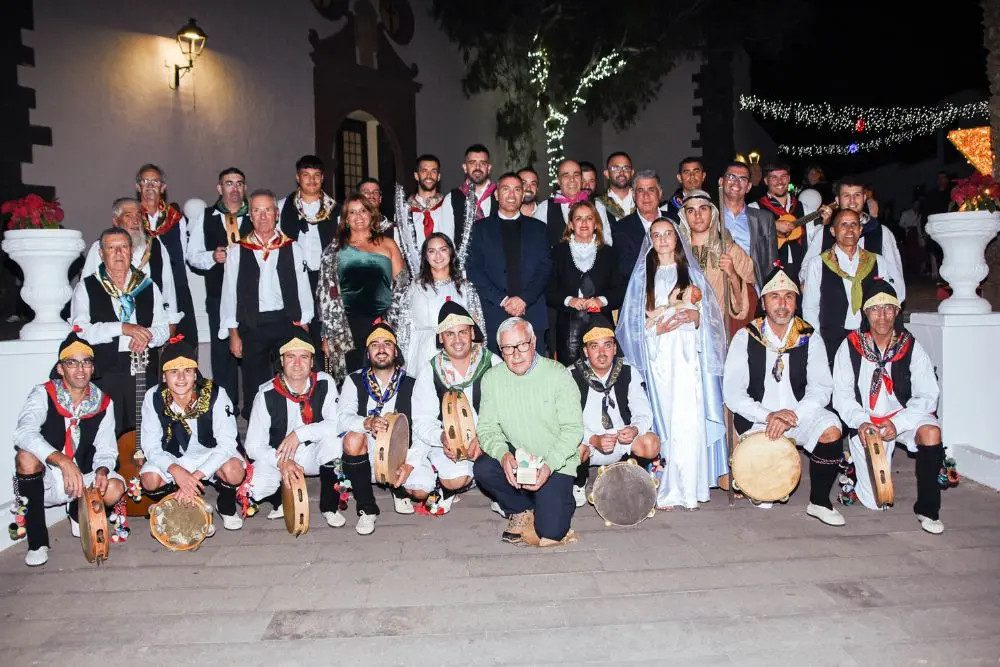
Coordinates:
777 380
189 436
64 442
293 431
616 412
529 404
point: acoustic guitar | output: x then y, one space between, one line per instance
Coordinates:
798 230
130 455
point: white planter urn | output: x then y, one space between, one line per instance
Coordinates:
963 236
44 256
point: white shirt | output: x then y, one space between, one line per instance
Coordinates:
197 256
638 404
923 400
627 203
309 242
477 192
646 224
425 385
893 263
534 212
28 432
324 426
97 333
168 292
443 217
811 278
154 221
269 297
223 430
423 425
542 213
777 395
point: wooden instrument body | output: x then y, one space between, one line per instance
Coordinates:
177 525
624 494
94 536
391 446
129 443
879 469
459 423
765 470
295 503
799 229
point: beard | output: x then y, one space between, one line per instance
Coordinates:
529 198
380 365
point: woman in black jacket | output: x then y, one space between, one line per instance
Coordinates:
584 279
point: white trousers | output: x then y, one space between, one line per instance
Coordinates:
190 462
864 486
424 477
810 427
267 478
597 458
55 485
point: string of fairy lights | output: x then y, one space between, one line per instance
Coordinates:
556 117
876 128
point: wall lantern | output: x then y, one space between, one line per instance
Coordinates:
191 40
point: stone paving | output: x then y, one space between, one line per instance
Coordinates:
718 586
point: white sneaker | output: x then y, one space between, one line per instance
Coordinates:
211 530
402 505
366 523
36 557
580 495
234 522
932 526
495 506
334 519
74 527
277 513
763 506
829 517
445 503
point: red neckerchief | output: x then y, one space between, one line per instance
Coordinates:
68 449
490 189
252 242
428 220
880 377
172 217
774 206
582 195
302 399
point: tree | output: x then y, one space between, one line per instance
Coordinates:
553 59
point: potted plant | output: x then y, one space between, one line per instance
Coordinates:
34 238
963 233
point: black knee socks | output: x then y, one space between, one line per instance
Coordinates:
329 499
823 470
641 461
929 458
73 510
159 494
358 469
33 488
274 499
582 474
227 499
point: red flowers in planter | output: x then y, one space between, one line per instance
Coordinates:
975 193
32 212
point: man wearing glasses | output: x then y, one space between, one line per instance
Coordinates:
691 176
476 185
618 200
64 442
752 228
530 406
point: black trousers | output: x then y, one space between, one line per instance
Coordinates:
553 503
225 367
188 324
361 326
116 380
832 338
260 352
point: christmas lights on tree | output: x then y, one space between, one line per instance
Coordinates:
557 117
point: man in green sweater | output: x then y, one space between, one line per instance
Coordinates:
530 403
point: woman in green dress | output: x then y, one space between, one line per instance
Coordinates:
362 278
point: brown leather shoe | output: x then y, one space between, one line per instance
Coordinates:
568 538
518 525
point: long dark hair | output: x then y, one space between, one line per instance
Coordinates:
344 230
653 262
426 277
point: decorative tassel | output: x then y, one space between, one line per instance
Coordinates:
119 520
948 477
847 480
19 508
246 505
134 490
341 485
470 219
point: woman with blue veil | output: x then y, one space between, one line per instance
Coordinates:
680 350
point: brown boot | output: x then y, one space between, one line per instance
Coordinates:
569 537
517 525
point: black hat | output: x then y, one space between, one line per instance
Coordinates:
178 354
74 344
599 327
452 314
876 292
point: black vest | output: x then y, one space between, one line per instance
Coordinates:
179 439
556 222
833 301
873 240
53 431
441 389
404 397
902 385
277 408
215 237
797 368
101 310
155 266
248 286
292 225
620 389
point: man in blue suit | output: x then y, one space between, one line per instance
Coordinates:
509 263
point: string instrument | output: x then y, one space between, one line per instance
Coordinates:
798 230
130 455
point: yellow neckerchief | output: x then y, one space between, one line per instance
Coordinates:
866 264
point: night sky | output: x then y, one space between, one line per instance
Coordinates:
871 53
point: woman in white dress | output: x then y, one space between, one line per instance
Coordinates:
670 329
439 280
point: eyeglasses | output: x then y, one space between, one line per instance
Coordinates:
736 178
372 193
507 350
884 309
149 181
234 184
619 167
73 364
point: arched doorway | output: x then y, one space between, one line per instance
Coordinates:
364 148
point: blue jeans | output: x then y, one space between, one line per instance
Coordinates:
553 503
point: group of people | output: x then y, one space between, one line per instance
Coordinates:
582 330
